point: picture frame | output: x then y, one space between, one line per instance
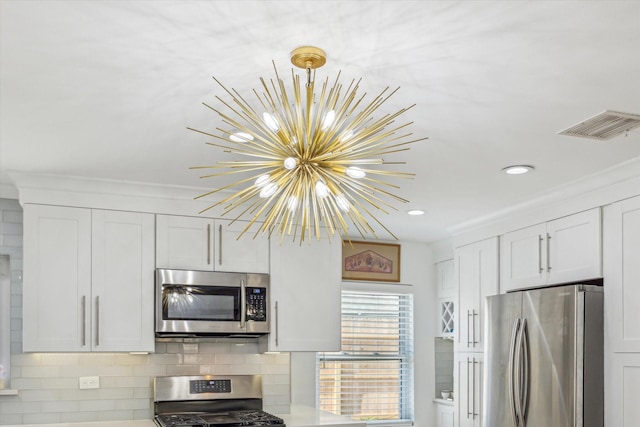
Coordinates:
371 261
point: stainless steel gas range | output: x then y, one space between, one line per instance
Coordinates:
208 401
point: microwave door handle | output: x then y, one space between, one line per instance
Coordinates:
243 304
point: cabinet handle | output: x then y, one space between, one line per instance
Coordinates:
243 304
468 329
83 305
540 268
473 405
208 244
468 394
97 320
474 315
548 252
276 321
220 244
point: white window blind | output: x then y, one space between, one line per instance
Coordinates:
372 377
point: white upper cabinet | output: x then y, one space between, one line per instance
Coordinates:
184 242
446 284
445 279
88 282
564 250
57 278
194 243
622 275
122 279
476 275
305 295
244 254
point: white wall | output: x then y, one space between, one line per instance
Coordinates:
418 271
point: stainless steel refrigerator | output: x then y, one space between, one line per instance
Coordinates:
544 358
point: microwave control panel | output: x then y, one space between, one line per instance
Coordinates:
257 304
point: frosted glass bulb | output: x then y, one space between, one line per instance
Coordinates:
342 202
270 121
329 118
322 190
268 190
290 163
262 180
355 172
347 136
292 204
241 137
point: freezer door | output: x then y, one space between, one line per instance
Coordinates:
552 315
502 317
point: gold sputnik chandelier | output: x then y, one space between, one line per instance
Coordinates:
309 162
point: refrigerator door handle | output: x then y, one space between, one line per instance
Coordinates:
525 383
512 372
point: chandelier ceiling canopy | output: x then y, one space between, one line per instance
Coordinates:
308 163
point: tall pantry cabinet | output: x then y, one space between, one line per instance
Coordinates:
476 274
621 264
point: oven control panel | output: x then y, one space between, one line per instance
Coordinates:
209 386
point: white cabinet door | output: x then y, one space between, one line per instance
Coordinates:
445 415
88 280
574 247
57 278
622 275
244 254
305 295
468 377
564 250
523 256
477 277
193 243
622 388
122 281
184 242
445 279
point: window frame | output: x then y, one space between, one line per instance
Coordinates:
405 357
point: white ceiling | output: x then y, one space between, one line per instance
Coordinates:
106 89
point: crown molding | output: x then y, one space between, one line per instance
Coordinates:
598 189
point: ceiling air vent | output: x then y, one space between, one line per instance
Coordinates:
604 126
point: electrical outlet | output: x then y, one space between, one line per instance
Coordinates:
89 382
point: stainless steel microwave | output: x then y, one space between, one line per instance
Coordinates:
207 303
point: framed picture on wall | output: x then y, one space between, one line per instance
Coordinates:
371 261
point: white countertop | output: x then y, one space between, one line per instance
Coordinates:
138 423
300 416
447 402
306 416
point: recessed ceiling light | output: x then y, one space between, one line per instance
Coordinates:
518 169
415 212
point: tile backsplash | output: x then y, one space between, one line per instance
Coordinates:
444 365
48 383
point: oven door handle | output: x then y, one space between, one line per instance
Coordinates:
243 304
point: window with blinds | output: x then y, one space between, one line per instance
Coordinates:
372 377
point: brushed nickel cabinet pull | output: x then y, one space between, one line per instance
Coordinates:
540 268
208 244
98 320
220 244
83 305
548 252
